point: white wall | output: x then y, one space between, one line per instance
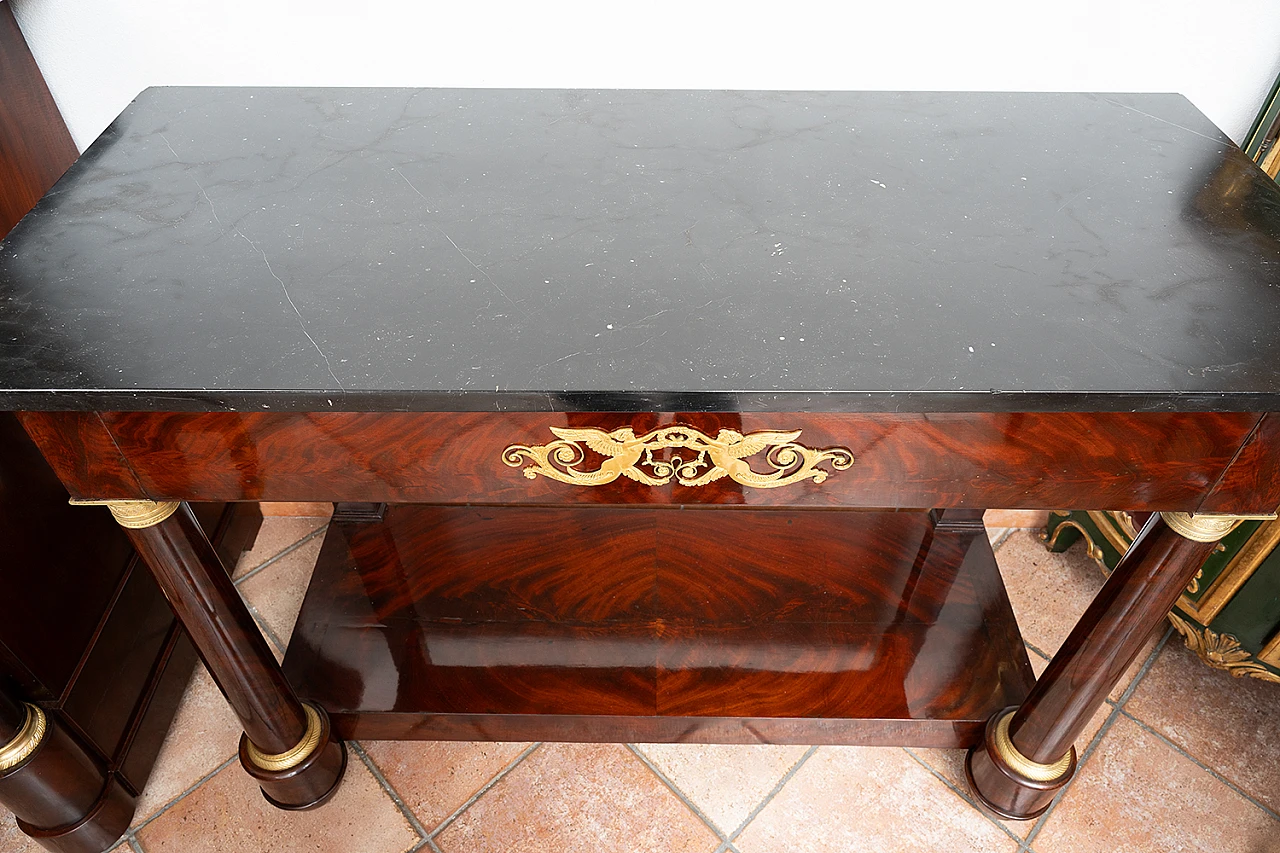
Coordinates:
97 54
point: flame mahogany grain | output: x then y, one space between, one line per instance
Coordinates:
82 453
613 623
1136 461
615 613
1253 477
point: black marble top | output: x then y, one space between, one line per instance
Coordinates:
359 249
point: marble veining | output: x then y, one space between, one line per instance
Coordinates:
354 249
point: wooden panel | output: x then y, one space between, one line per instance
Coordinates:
599 623
1253 478
35 147
156 710
81 452
1039 460
117 667
66 584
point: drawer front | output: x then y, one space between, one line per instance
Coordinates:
1164 461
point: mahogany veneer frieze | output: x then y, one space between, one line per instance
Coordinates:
1159 460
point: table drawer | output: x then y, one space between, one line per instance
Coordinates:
1165 461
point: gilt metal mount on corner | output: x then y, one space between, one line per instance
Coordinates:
134 515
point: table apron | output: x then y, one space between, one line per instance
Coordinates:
1218 462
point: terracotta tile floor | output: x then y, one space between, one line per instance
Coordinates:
1181 758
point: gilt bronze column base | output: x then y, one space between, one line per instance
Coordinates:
1006 782
305 776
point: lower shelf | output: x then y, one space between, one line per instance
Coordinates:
658 624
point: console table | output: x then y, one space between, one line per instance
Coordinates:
655 415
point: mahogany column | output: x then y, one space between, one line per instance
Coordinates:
1027 753
287 746
62 795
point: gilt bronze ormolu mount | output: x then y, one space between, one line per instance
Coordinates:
624 454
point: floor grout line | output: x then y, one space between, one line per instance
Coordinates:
1212 772
271 636
131 835
1088 751
1146 667
768 798
498 777
1002 537
962 794
286 552
680 795
1169 634
364 756
265 628
1041 652
133 830
1116 709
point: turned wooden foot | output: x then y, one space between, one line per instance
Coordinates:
61 795
288 747
1027 756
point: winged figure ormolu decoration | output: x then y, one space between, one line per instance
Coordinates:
628 455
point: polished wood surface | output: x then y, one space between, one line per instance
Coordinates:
65 797
93 643
94 636
236 654
35 146
232 646
1157 460
106 820
63 604
1141 590
1104 642
1253 478
670 624
82 453
13 716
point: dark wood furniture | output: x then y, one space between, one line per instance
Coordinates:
89 649
35 146
656 415
90 641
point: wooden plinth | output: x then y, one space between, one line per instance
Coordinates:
658 624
